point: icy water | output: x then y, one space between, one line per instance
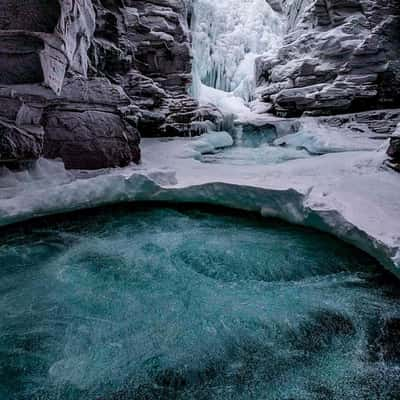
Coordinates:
176 304
255 147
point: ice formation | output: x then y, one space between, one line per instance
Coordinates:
349 194
228 35
209 142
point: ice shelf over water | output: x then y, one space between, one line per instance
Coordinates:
350 194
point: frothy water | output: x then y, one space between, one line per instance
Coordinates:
168 304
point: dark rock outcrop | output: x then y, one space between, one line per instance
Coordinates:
81 78
48 105
144 46
376 123
19 142
88 126
337 57
394 153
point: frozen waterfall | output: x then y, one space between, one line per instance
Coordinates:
228 36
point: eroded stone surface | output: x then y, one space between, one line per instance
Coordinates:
145 47
19 143
338 56
50 69
44 88
88 126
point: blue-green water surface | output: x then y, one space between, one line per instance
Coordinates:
143 303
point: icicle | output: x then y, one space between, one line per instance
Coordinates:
228 35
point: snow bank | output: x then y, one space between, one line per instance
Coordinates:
322 140
231 105
347 194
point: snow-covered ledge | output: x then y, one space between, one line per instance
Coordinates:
350 194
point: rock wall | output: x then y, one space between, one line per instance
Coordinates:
144 46
394 150
80 78
48 105
338 57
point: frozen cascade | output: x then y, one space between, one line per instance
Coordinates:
228 36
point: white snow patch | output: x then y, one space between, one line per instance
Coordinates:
232 105
321 140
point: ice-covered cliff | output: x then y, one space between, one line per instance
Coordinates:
228 36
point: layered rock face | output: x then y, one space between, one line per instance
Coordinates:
48 106
80 79
337 57
144 46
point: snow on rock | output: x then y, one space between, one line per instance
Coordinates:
232 106
349 194
338 56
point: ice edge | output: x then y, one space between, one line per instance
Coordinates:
290 205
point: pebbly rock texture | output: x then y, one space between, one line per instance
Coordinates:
337 57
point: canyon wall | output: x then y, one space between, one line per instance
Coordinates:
145 47
337 57
80 79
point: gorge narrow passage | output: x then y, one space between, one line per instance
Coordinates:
228 37
170 238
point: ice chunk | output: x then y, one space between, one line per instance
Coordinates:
207 143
